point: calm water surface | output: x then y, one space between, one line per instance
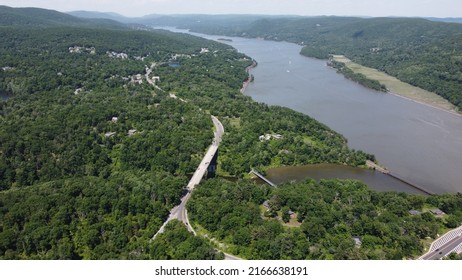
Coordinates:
420 144
375 180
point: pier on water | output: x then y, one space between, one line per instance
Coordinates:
385 171
256 173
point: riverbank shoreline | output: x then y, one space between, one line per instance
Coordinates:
452 112
401 89
374 166
249 79
375 179
362 117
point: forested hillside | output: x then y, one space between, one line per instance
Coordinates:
421 52
92 161
93 157
38 18
330 219
302 139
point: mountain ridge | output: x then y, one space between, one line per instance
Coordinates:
40 18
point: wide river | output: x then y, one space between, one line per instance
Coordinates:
416 142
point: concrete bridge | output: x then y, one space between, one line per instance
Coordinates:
179 212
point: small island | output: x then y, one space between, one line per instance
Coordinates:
224 39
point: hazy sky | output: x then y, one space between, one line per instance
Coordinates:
424 8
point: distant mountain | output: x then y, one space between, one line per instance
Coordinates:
100 15
180 21
456 20
39 18
212 21
422 52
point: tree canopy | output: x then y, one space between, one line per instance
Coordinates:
93 155
332 216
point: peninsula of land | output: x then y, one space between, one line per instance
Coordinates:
399 88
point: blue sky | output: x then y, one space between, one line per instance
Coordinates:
422 8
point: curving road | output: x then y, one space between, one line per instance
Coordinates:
445 245
179 212
444 250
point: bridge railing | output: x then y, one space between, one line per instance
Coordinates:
259 175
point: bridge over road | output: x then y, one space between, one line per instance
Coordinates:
179 212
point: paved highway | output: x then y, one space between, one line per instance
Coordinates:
444 250
179 212
445 245
229 257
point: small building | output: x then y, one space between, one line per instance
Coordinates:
131 132
437 212
114 119
80 49
77 91
267 137
266 204
414 212
75 49
291 214
109 134
117 55
357 240
277 136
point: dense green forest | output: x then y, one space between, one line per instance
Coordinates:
93 157
65 103
421 52
177 243
76 183
326 216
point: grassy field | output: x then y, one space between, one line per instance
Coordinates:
399 88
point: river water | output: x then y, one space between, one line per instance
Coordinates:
375 180
421 144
